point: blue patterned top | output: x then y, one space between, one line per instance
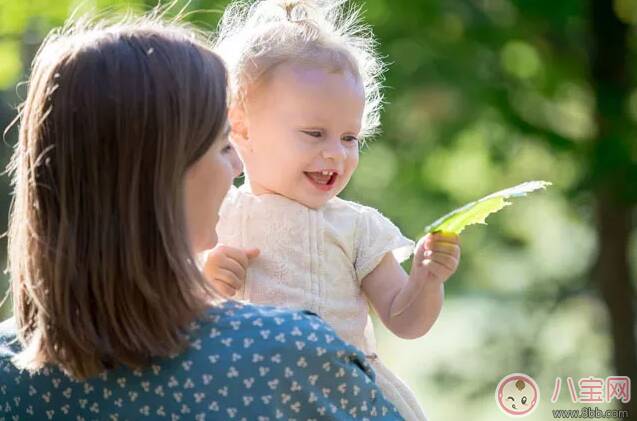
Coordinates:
244 362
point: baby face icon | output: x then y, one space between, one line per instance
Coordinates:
517 394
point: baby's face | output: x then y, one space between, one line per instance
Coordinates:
302 133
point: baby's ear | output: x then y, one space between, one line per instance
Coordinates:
238 124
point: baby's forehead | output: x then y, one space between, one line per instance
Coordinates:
292 70
312 89
307 75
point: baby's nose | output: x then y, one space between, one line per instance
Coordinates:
335 150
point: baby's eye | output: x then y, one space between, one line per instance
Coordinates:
227 148
350 139
313 133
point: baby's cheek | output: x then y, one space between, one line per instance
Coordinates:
351 168
354 161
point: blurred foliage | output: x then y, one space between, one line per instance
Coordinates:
481 95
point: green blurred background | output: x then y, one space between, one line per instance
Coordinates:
481 95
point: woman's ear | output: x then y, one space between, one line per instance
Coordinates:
239 126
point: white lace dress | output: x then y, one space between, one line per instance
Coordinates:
315 259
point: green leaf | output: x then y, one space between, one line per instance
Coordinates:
477 212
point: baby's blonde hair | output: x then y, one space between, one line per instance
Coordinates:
254 37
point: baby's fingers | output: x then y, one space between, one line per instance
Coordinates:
442 248
235 254
243 257
450 263
228 278
233 266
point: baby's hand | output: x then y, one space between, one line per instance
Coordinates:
436 258
226 268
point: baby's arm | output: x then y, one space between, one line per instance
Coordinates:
410 304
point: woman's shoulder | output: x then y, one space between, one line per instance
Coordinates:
231 310
235 330
240 318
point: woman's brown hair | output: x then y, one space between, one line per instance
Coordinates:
101 268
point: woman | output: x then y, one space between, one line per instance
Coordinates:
121 166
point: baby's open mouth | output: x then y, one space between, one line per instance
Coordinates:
325 178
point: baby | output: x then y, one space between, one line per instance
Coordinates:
306 92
